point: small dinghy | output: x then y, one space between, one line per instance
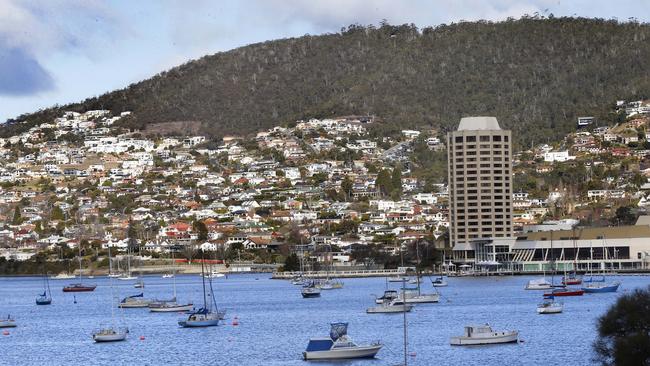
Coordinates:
439 282
338 346
483 334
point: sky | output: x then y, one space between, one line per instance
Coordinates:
63 51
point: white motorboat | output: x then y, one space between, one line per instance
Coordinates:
539 284
298 281
439 282
63 276
113 275
8 322
338 346
214 274
135 301
550 306
393 306
483 334
110 334
168 275
139 284
387 296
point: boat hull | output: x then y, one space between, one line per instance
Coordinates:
43 302
199 323
79 289
423 299
171 309
7 324
601 289
308 295
510 337
104 338
343 354
565 293
389 309
555 309
133 305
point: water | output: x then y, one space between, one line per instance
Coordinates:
275 323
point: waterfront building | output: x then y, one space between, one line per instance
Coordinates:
480 170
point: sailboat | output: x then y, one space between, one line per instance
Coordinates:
128 276
572 278
417 297
559 290
329 284
46 297
8 322
79 286
549 305
110 333
602 285
170 306
205 316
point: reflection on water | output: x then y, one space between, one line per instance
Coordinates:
275 323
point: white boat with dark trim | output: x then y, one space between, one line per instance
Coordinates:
550 306
110 334
539 284
338 346
387 307
169 306
439 282
8 322
387 296
483 334
134 301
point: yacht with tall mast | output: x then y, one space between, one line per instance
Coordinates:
110 333
46 297
207 316
172 305
79 286
549 305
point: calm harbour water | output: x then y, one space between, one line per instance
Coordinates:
275 323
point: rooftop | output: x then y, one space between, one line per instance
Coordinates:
478 123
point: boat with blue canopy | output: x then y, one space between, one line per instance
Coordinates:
338 346
207 316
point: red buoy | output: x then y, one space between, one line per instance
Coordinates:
142 338
6 332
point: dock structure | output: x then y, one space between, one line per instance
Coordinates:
339 274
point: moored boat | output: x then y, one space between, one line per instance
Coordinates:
601 287
110 334
135 301
388 307
310 290
8 322
539 284
387 296
483 334
79 287
565 292
46 297
338 346
169 306
207 316
439 282
63 276
550 306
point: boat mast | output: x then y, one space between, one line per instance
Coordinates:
174 275
79 247
205 300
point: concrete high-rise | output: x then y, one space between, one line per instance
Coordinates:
480 189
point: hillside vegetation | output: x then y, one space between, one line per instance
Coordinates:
535 75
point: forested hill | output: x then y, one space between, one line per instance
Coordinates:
535 75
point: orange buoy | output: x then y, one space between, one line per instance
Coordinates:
6 332
142 338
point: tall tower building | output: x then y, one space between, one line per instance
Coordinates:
480 188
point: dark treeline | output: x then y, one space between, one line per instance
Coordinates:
535 74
